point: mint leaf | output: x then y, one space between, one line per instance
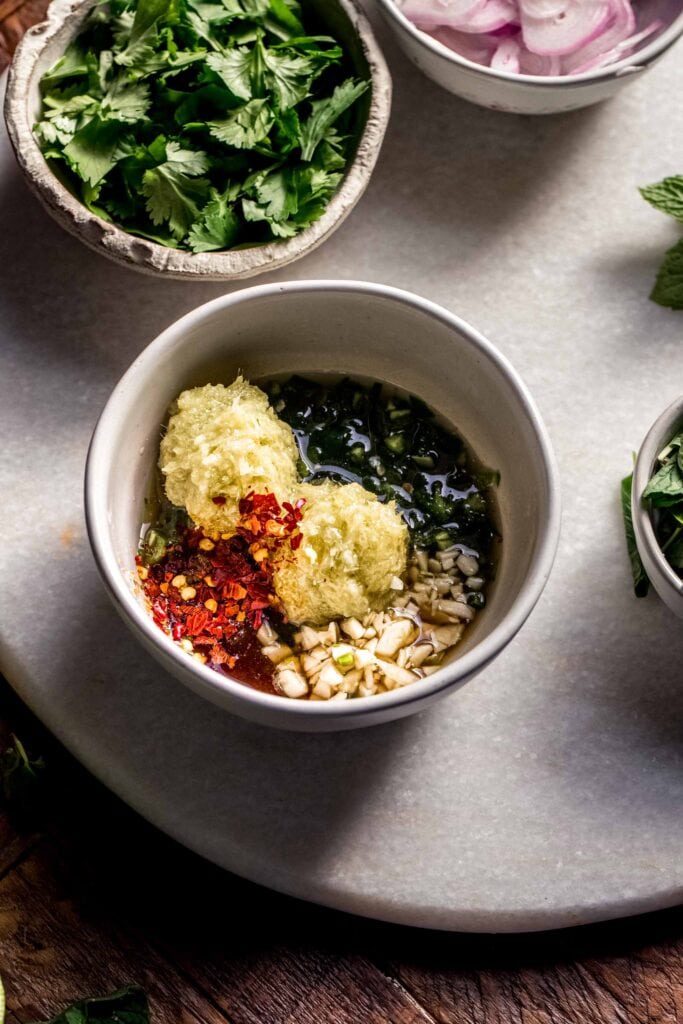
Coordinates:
173 192
666 486
324 113
667 196
641 584
217 228
668 289
245 127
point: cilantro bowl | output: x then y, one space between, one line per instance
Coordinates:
199 139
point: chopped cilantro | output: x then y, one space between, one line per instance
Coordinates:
198 124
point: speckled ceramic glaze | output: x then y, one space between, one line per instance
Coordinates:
354 329
666 582
44 44
533 94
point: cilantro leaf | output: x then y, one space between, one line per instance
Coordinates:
234 68
92 151
289 76
668 288
244 127
71 65
173 191
666 195
217 228
288 16
324 113
126 101
147 14
277 197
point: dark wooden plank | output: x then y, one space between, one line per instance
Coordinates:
630 971
52 954
16 16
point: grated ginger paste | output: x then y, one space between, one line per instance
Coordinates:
223 442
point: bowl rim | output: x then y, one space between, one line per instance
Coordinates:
659 434
115 414
149 257
626 66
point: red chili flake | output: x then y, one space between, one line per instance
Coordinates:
240 574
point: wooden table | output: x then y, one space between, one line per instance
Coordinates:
91 897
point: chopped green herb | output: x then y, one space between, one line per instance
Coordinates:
202 126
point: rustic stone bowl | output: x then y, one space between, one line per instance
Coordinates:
42 46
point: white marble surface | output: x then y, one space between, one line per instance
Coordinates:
548 791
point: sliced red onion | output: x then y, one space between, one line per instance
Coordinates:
431 14
477 48
506 57
621 50
493 16
564 30
557 37
534 64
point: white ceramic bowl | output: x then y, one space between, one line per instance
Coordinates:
44 44
666 582
346 327
533 94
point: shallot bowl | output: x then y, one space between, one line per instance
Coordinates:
530 93
366 332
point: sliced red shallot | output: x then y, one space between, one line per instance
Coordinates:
534 64
621 50
506 57
564 29
477 48
534 37
431 14
494 15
